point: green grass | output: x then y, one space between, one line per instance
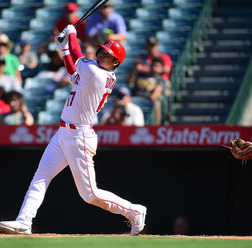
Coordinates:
121 242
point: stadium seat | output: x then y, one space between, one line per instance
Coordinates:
178 25
183 13
157 3
28 3
49 12
151 12
21 13
145 25
172 37
138 37
54 106
129 3
133 50
171 48
85 3
38 82
189 3
59 3
35 37
14 25
42 24
62 94
46 118
126 12
37 93
35 105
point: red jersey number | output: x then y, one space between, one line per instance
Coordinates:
103 102
71 98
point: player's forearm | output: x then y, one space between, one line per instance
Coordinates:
74 48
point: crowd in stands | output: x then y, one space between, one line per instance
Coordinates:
148 78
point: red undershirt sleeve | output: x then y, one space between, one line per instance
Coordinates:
74 48
69 64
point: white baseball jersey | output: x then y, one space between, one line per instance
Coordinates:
92 86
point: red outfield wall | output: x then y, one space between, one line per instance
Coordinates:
164 136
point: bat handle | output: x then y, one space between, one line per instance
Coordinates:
61 37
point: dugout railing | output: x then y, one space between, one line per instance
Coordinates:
242 99
193 44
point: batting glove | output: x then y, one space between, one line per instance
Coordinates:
62 46
69 29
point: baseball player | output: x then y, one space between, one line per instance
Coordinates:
75 142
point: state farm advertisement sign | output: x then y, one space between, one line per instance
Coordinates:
172 135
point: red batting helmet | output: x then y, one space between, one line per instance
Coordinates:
115 48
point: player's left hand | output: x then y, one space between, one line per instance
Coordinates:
64 44
69 29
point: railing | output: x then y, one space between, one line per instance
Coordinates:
245 92
193 44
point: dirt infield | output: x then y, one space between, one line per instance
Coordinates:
52 235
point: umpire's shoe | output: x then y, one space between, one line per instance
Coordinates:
14 227
138 221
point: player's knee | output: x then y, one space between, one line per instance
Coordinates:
90 198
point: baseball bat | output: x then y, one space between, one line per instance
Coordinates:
95 7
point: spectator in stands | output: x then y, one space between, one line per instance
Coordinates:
151 85
11 60
4 106
89 50
117 116
106 24
71 17
19 114
8 82
134 117
27 58
143 62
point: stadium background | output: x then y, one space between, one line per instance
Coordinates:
205 185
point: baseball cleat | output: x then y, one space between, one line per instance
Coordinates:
14 227
138 221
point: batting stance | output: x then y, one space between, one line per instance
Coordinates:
75 142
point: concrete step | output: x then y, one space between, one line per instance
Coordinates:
230 31
201 108
231 22
232 11
208 96
198 119
235 3
227 48
219 70
227 42
212 83
224 58
215 34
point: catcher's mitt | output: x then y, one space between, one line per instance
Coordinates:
241 149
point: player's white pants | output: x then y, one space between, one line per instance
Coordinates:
74 148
